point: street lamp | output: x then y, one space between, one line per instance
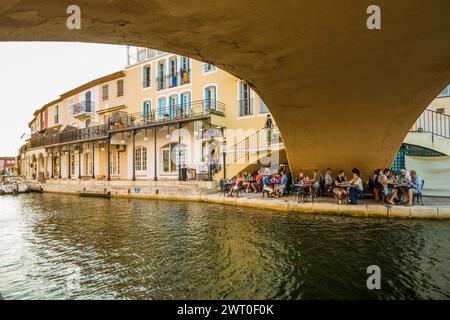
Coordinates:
224 155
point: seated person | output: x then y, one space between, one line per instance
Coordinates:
246 182
404 179
404 176
238 185
251 187
257 184
316 180
267 186
277 179
356 188
328 181
416 185
283 184
376 191
300 179
340 192
385 181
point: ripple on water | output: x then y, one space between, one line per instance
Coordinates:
120 249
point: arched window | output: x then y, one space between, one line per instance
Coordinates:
141 159
173 155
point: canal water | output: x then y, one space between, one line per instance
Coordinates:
66 247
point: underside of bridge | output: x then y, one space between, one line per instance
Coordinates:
343 96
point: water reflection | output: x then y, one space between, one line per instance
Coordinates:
120 249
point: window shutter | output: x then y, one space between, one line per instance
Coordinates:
120 87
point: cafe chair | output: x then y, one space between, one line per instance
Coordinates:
224 187
418 196
380 189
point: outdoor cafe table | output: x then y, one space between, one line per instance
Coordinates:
401 185
344 186
303 191
403 188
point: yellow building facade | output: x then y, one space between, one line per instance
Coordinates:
164 117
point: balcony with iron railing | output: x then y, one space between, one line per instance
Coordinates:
180 112
123 121
173 80
436 123
82 109
74 135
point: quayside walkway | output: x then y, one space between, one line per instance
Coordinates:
205 191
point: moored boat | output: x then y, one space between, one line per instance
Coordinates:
13 186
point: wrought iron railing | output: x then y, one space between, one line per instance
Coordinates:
123 120
263 140
146 83
90 133
433 122
82 107
183 111
172 80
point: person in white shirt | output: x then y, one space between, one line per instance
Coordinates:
405 175
389 192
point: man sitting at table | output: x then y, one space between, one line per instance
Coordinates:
404 175
416 186
389 191
405 179
300 179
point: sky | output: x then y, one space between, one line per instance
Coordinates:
35 73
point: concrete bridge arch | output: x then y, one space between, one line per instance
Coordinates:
343 96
